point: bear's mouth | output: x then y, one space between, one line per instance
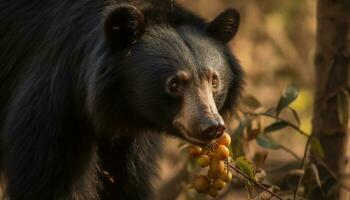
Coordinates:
185 134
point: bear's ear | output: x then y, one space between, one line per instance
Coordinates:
123 26
225 26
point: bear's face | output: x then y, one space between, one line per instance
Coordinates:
179 80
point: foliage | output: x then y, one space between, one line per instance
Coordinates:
293 176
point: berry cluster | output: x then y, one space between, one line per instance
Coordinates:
214 157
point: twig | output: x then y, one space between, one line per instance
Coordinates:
287 122
247 188
290 152
281 119
306 146
302 167
333 175
253 181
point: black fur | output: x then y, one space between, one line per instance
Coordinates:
225 26
79 99
123 26
132 178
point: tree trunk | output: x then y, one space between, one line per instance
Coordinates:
332 70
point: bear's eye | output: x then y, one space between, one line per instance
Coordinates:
174 86
215 81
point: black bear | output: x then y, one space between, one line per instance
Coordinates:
88 86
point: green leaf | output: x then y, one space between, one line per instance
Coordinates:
246 166
238 132
343 108
296 116
316 147
253 133
266 142
270 111
245 122
251 102
316 175
278 125
288 96
236 148
259 158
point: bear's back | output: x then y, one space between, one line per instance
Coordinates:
44 36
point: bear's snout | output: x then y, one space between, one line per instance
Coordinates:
212 128
199 120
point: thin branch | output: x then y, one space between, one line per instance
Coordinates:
333 175
302 167
290 152
344 186
253 181
281 119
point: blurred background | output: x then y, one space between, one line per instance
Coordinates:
276 46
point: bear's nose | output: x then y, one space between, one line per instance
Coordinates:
212 128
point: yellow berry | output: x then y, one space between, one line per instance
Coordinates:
212 174
210 154
226 176
195 151
213 192
203 160
221 153
201 184
219 184
225 139
217 166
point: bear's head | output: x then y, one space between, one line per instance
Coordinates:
181 79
